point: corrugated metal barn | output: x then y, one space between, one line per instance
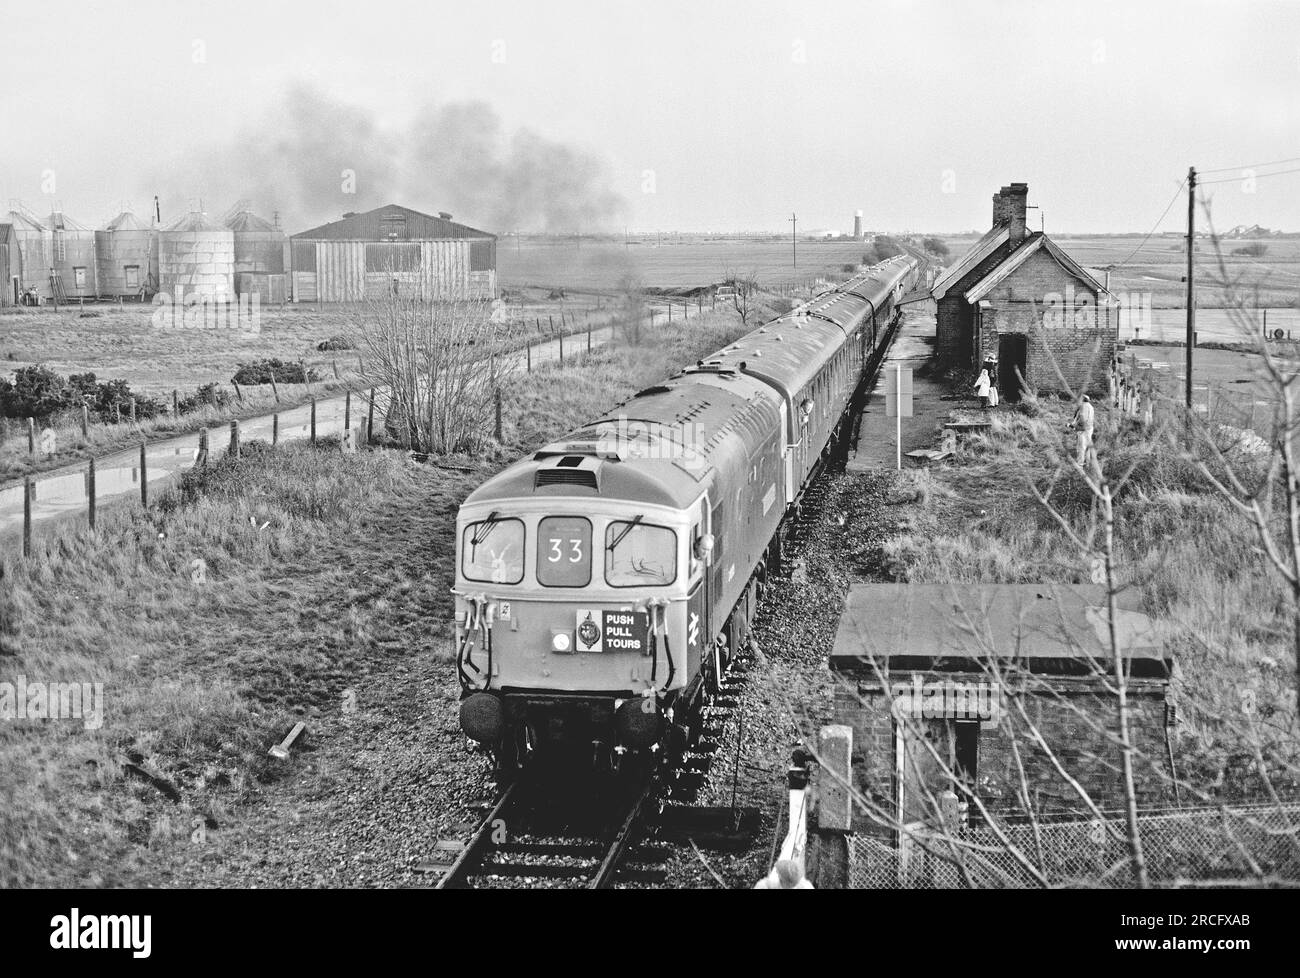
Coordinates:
393 249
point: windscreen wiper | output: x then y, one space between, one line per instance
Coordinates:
481 534
624 532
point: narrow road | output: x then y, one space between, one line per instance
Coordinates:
62 492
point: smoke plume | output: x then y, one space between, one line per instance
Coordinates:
313 158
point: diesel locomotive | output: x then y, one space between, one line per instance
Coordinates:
604 582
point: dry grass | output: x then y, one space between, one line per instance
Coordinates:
319 570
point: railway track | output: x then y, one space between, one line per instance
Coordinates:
556 826
562 830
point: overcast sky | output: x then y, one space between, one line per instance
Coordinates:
694 115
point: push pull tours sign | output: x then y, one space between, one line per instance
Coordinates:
610 631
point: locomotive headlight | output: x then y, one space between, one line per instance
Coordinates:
560 642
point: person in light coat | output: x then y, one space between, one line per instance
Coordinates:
982 388
1083 422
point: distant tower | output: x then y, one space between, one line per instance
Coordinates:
857 226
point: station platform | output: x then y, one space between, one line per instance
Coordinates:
913 347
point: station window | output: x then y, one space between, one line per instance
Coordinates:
639 554
564 551
493 551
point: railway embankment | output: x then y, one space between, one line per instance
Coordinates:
295 584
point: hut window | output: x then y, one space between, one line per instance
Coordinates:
79 277
399 257
132 276
482 256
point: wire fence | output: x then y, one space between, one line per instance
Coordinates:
1152 391
1182 847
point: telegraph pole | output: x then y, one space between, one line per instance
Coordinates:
794 246
1191 270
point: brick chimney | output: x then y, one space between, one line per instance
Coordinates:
1009 209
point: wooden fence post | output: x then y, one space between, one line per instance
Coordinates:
313 421
202 458
589 337
117 412
497 398
238 393
275 390
144 474
336 368
528 356
275 430
347 411
234 438
133 410
85 421
561 348
176 403
31 436
90 492
28 489
370 423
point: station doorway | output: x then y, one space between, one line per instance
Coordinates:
1013 356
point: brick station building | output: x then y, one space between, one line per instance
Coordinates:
974 669
1017 296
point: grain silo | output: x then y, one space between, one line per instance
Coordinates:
72 246
196 256
126 253
30 253
259 256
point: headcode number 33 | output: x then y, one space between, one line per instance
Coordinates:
557 550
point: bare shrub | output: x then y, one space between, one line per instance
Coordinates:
439 361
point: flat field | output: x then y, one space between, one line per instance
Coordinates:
1158 266
686 265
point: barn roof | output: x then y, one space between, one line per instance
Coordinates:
392 222
1031 245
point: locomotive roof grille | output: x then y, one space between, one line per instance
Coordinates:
565 477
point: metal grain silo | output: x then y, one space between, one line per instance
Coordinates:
196 256
126 253
72 246
259 256
31 253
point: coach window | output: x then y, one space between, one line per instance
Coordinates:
639 554
564 551
492 550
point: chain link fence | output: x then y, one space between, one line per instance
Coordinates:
1241 843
